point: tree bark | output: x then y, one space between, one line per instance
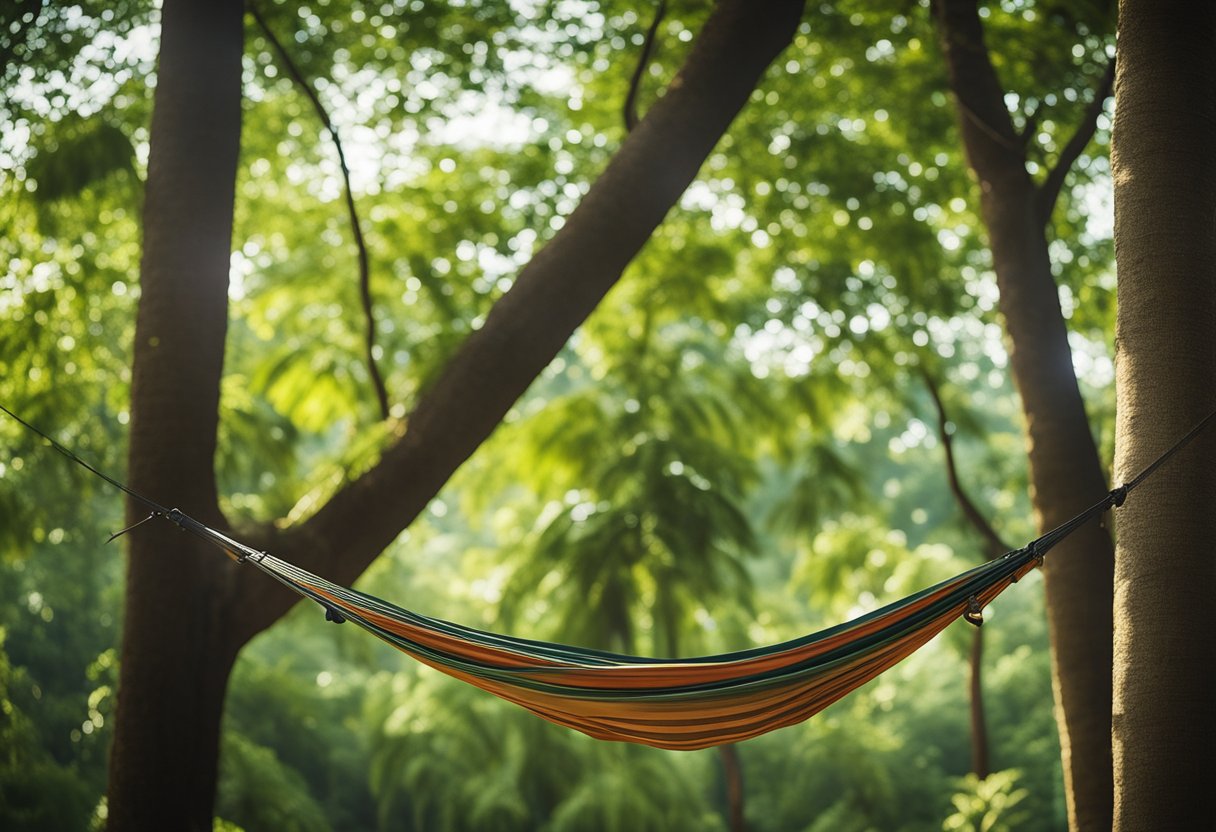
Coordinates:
1065 472
189 612
176 653
1165 242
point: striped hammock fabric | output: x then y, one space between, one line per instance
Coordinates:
682 704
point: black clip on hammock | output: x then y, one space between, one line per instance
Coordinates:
681 704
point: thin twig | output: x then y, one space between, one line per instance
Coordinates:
356 228
1049 191
996 546
635 82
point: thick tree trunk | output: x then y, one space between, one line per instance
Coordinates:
1065 472
175 652
1165 574
188 611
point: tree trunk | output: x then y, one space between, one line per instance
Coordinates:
188 612
979 725
732 772
175 652
1165 574
1065 472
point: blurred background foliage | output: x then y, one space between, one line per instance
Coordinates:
737 448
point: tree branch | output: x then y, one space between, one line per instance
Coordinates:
989 136
549 300
365 294
1049 191
1015 145
635 82
996 546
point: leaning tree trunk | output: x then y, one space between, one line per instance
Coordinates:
1065 472
175 652
188 612
1165 569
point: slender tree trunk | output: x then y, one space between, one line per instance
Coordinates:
994 549
188 611
176 654
1065 472
1165 574
979 724
732 772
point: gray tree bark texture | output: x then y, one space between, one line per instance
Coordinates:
1164 162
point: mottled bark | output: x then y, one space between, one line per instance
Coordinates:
1065 472
1165 242
176 653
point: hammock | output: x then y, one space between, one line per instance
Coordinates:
682 704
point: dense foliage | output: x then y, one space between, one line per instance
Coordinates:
736 449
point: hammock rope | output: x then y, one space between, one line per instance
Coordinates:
675 703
